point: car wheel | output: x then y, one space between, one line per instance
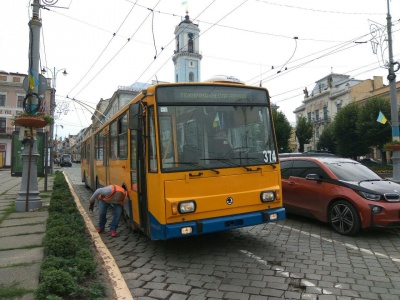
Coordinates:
344 218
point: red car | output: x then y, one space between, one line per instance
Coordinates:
339 191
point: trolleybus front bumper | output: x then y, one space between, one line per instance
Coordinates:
183 229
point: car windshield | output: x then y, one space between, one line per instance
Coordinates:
351 171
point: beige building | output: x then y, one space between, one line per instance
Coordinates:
333 92
12 95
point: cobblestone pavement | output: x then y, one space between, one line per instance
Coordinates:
297 258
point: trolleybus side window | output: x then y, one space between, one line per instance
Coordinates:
105 148
123 137
98 147
152 142
88 151
114 140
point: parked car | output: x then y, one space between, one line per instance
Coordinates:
340 191
307 153
369 161
66 160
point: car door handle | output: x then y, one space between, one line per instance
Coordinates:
291 183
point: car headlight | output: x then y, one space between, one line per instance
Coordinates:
370 196
267 196
187 206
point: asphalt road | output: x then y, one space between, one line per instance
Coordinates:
297 258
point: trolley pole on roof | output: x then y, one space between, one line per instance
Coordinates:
393 99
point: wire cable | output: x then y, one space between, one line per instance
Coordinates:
319 10
102 52
234 9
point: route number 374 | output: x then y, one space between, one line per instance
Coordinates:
269 156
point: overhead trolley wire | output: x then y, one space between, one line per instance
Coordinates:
200 34
101 54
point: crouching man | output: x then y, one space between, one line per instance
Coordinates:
112 194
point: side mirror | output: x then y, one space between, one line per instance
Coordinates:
134 116
313 177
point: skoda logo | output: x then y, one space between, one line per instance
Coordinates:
229 200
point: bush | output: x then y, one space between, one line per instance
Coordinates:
55 282
69 268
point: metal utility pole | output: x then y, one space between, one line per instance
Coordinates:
28 198
393 99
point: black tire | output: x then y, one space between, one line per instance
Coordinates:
344 218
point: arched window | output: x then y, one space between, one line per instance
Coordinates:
191 77
190 46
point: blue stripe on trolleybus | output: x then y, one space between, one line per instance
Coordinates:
163 232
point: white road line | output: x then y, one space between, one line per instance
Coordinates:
347 245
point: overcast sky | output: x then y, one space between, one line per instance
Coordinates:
238 38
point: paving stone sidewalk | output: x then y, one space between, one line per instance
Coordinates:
21 235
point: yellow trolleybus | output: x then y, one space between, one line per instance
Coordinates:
195 158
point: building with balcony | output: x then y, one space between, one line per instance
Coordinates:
12 95
329 95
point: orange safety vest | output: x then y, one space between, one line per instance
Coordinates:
116 188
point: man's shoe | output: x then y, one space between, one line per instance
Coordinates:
113 233
100 230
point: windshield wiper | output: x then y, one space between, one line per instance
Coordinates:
366 180
198 166
229 162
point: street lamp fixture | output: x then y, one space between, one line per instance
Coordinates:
54 74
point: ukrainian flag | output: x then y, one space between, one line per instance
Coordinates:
33 81
216 122
381 118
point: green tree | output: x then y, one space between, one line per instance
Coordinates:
349 142
327 140
373 132
304 132
283 131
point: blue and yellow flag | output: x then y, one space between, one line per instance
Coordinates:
33 81
185 4
216 122
381 118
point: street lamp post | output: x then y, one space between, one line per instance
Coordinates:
393 99
54 74
57 125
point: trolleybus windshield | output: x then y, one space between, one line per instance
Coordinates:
205 127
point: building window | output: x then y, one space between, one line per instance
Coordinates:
191 77
3 125
20 101
338 106
2 100
16 79
309 116
317 115
325 113
190 46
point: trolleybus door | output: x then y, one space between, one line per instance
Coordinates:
138 162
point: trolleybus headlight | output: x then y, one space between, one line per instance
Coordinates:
187 206
267 196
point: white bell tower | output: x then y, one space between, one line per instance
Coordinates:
187 56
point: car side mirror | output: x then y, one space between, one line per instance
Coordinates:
313 177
